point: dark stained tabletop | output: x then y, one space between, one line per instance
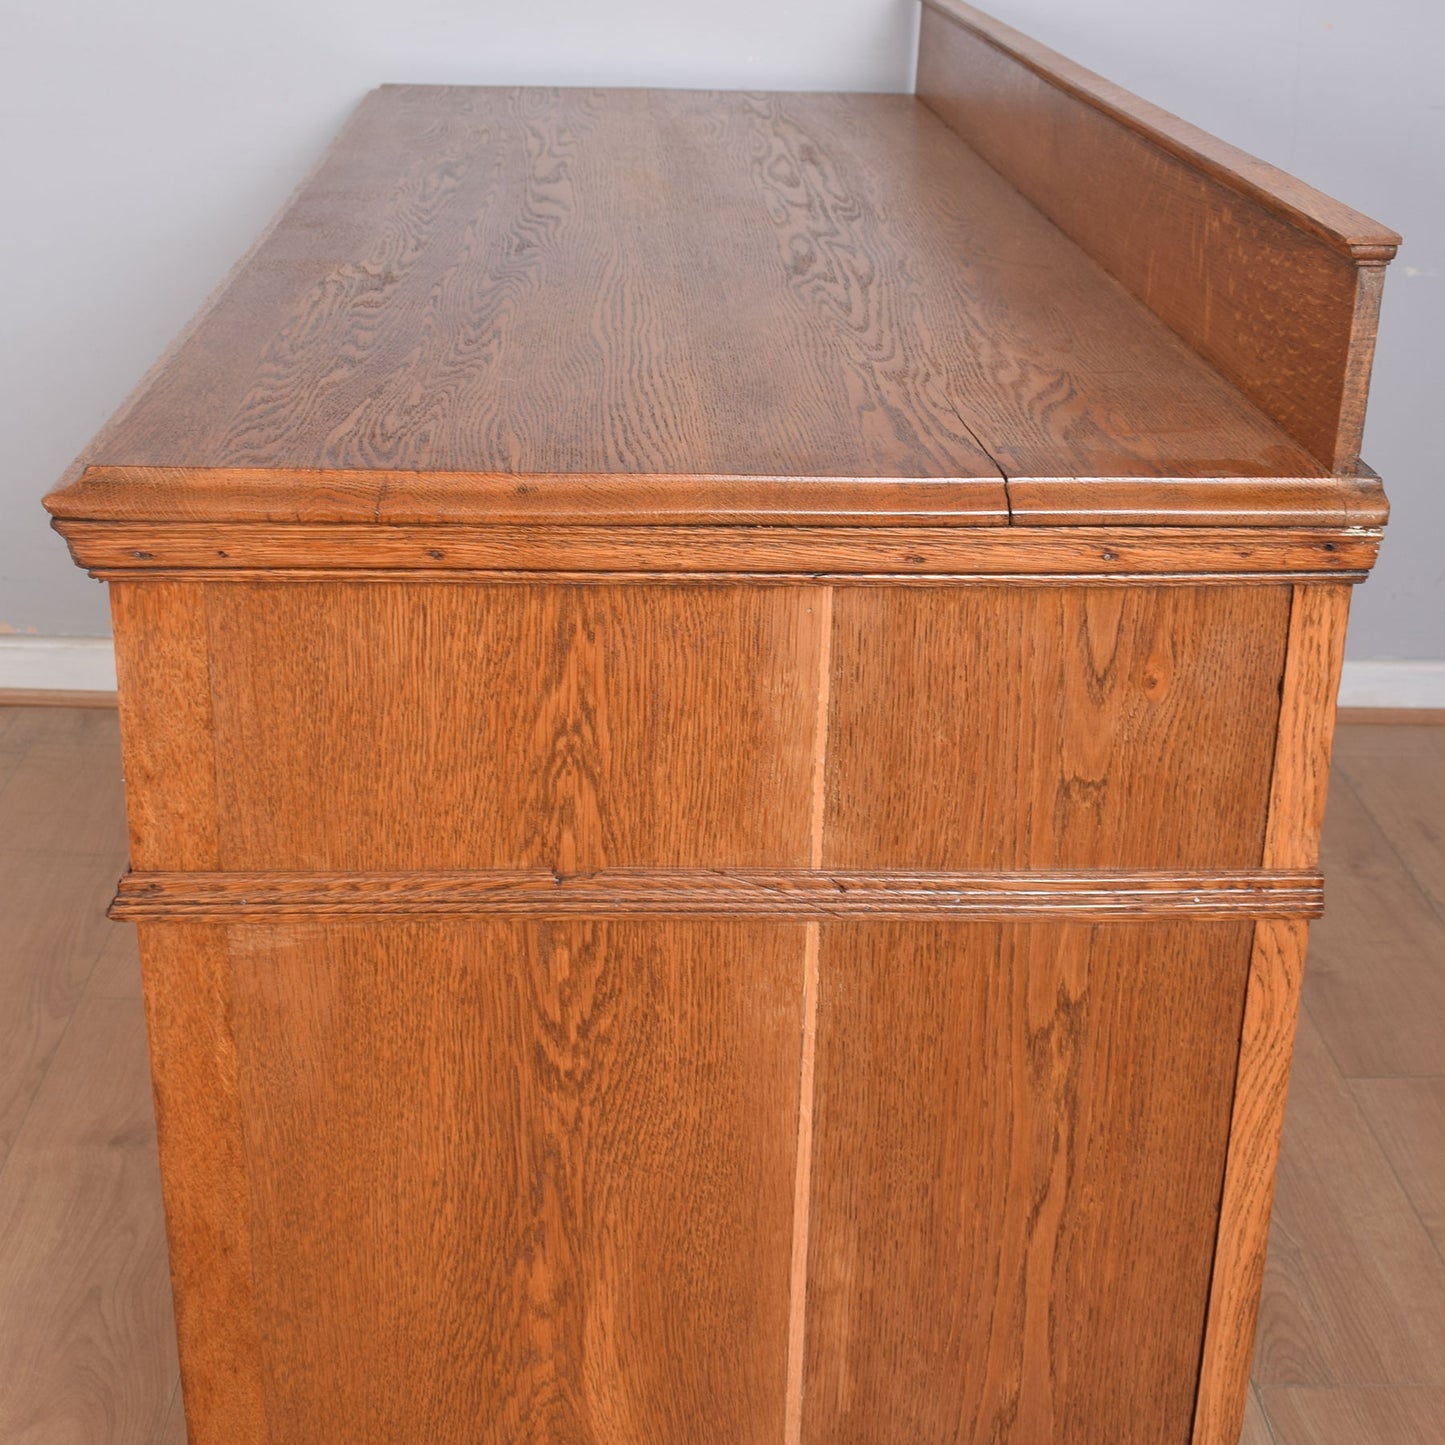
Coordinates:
679 284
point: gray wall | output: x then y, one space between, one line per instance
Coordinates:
144 142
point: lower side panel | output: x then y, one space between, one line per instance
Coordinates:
1019 1141
475 1180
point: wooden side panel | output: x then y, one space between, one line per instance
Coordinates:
520 1182
1263 279
377 726
201 1136
1053 727
1267 1043
1013 1222
162 659
1306 726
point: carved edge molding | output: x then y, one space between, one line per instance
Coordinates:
803 893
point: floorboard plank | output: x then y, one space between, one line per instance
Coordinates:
1408 1117
52 931
1400 771
1357 1417
1354 1292
1256 1429
86 1330
1375 979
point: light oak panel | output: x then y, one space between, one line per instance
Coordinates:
1013 1222
1316 652
1070 727
162 659
187 982
1271 1007
1275 284
383 727
520 1182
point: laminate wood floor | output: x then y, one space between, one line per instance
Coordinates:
1352 1333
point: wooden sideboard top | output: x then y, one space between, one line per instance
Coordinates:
607 307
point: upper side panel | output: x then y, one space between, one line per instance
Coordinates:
1053 727
679 284
366 726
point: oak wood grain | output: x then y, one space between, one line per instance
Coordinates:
1316 651
1152 749
194 1074
282 497
557 1161
520 282
1275 284
1040 1101
370 726
1271 1007
167 728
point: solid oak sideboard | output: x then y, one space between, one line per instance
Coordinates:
726 703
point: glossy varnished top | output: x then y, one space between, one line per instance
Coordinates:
703 288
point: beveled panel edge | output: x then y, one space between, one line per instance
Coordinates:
1098 894
1341 227
115 549
286 497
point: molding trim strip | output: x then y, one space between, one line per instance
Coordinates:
690 892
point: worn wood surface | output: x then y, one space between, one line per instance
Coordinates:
521 282
1152 751
1035 1095
575 1220
1275 284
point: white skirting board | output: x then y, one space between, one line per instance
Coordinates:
56 664
87 664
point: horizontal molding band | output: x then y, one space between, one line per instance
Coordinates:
702 892
110 548
460 577
287 496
